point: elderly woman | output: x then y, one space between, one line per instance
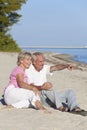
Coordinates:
18 93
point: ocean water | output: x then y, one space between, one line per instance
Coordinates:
80 54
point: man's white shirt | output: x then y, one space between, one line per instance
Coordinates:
35 77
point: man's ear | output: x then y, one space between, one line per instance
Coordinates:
33 63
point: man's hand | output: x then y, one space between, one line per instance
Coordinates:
46 86
70 67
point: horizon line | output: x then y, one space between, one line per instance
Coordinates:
53 47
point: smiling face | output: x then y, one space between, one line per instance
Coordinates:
38 62
24 60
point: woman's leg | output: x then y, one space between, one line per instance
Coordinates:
20 98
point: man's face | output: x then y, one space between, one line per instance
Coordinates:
39 62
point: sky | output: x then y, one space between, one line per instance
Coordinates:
52 23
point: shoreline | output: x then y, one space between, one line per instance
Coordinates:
56 58
79 53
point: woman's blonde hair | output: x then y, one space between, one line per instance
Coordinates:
23 55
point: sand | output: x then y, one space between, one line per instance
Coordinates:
30 119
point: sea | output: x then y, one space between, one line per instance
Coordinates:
79 54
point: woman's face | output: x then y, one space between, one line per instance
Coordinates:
26 62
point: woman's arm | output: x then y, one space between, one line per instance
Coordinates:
22 84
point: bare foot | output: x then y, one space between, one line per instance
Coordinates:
8 107
77 109
62 108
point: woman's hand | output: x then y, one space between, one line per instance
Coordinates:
35 90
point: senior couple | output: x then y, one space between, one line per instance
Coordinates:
28 85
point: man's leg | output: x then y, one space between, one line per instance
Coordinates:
58 98
68 97
48 97
71 99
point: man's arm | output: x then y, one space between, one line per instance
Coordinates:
60 67
45 86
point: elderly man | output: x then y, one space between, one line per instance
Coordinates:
37 75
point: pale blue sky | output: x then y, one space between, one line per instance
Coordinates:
52 22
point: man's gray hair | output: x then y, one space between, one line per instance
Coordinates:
35 54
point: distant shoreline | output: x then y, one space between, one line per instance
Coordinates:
54 47
79 54
54 57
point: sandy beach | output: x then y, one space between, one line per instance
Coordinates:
30 119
